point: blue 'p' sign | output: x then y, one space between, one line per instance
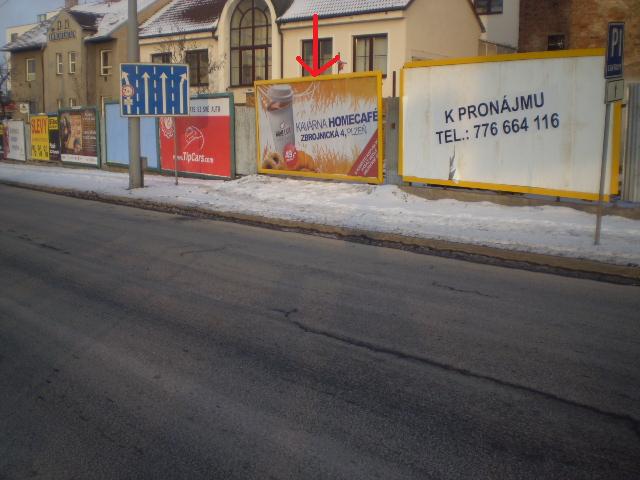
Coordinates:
615 51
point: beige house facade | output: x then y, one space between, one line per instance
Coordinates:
241 41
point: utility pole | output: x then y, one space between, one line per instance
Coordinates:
136 175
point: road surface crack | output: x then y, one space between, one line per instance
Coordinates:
459 290
631 422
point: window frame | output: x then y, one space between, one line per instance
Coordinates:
197 53
253 48
31 76
556 37
328 71
161 56
74 62
59 63
370 38
72 102
109 68
490 10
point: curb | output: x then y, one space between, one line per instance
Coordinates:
570 267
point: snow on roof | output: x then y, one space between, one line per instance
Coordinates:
31 39
304 9
183 16
112 15
101 17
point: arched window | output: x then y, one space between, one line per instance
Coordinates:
250 43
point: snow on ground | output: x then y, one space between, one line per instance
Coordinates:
546 229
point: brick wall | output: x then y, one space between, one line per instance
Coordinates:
584 24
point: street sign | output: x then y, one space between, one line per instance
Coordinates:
154 90
614 91
615 51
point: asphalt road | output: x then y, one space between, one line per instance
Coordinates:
137 344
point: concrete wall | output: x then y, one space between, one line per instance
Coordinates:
245 140
503 28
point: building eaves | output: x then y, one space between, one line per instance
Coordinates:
33 39
182 17
304 9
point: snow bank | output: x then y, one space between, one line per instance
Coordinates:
549 230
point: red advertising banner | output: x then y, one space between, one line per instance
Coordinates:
204 139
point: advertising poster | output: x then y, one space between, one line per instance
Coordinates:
39 137
54 138
326 127
79 136
529 124
15 143
204 139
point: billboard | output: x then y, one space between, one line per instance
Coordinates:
529 123
325 127
79 136
39 137
15 140
204 138
54 138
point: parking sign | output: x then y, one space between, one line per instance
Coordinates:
615 51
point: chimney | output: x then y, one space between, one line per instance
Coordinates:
70 3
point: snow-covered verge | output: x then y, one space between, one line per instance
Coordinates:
547 229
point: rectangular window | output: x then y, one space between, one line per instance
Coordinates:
488 7
72 62
198 61
60 102
59 64
72 102
370 54
556 42
105 62
31 69
326 54
164 57
14 37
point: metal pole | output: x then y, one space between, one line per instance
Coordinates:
136 175
175 147
603 174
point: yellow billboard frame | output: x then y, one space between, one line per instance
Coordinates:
615 141
327 176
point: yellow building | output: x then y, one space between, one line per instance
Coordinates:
72 58
231 44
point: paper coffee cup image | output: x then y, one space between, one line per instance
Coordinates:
279 111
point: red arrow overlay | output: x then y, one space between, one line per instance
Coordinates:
316 70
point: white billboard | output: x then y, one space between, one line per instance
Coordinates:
531 123
14 131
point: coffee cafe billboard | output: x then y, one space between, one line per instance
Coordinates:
325 127
528 123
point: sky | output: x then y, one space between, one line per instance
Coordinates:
18 12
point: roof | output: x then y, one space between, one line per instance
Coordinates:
111 16
100 17
304 9
183 16
31 39
87 20
192 16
